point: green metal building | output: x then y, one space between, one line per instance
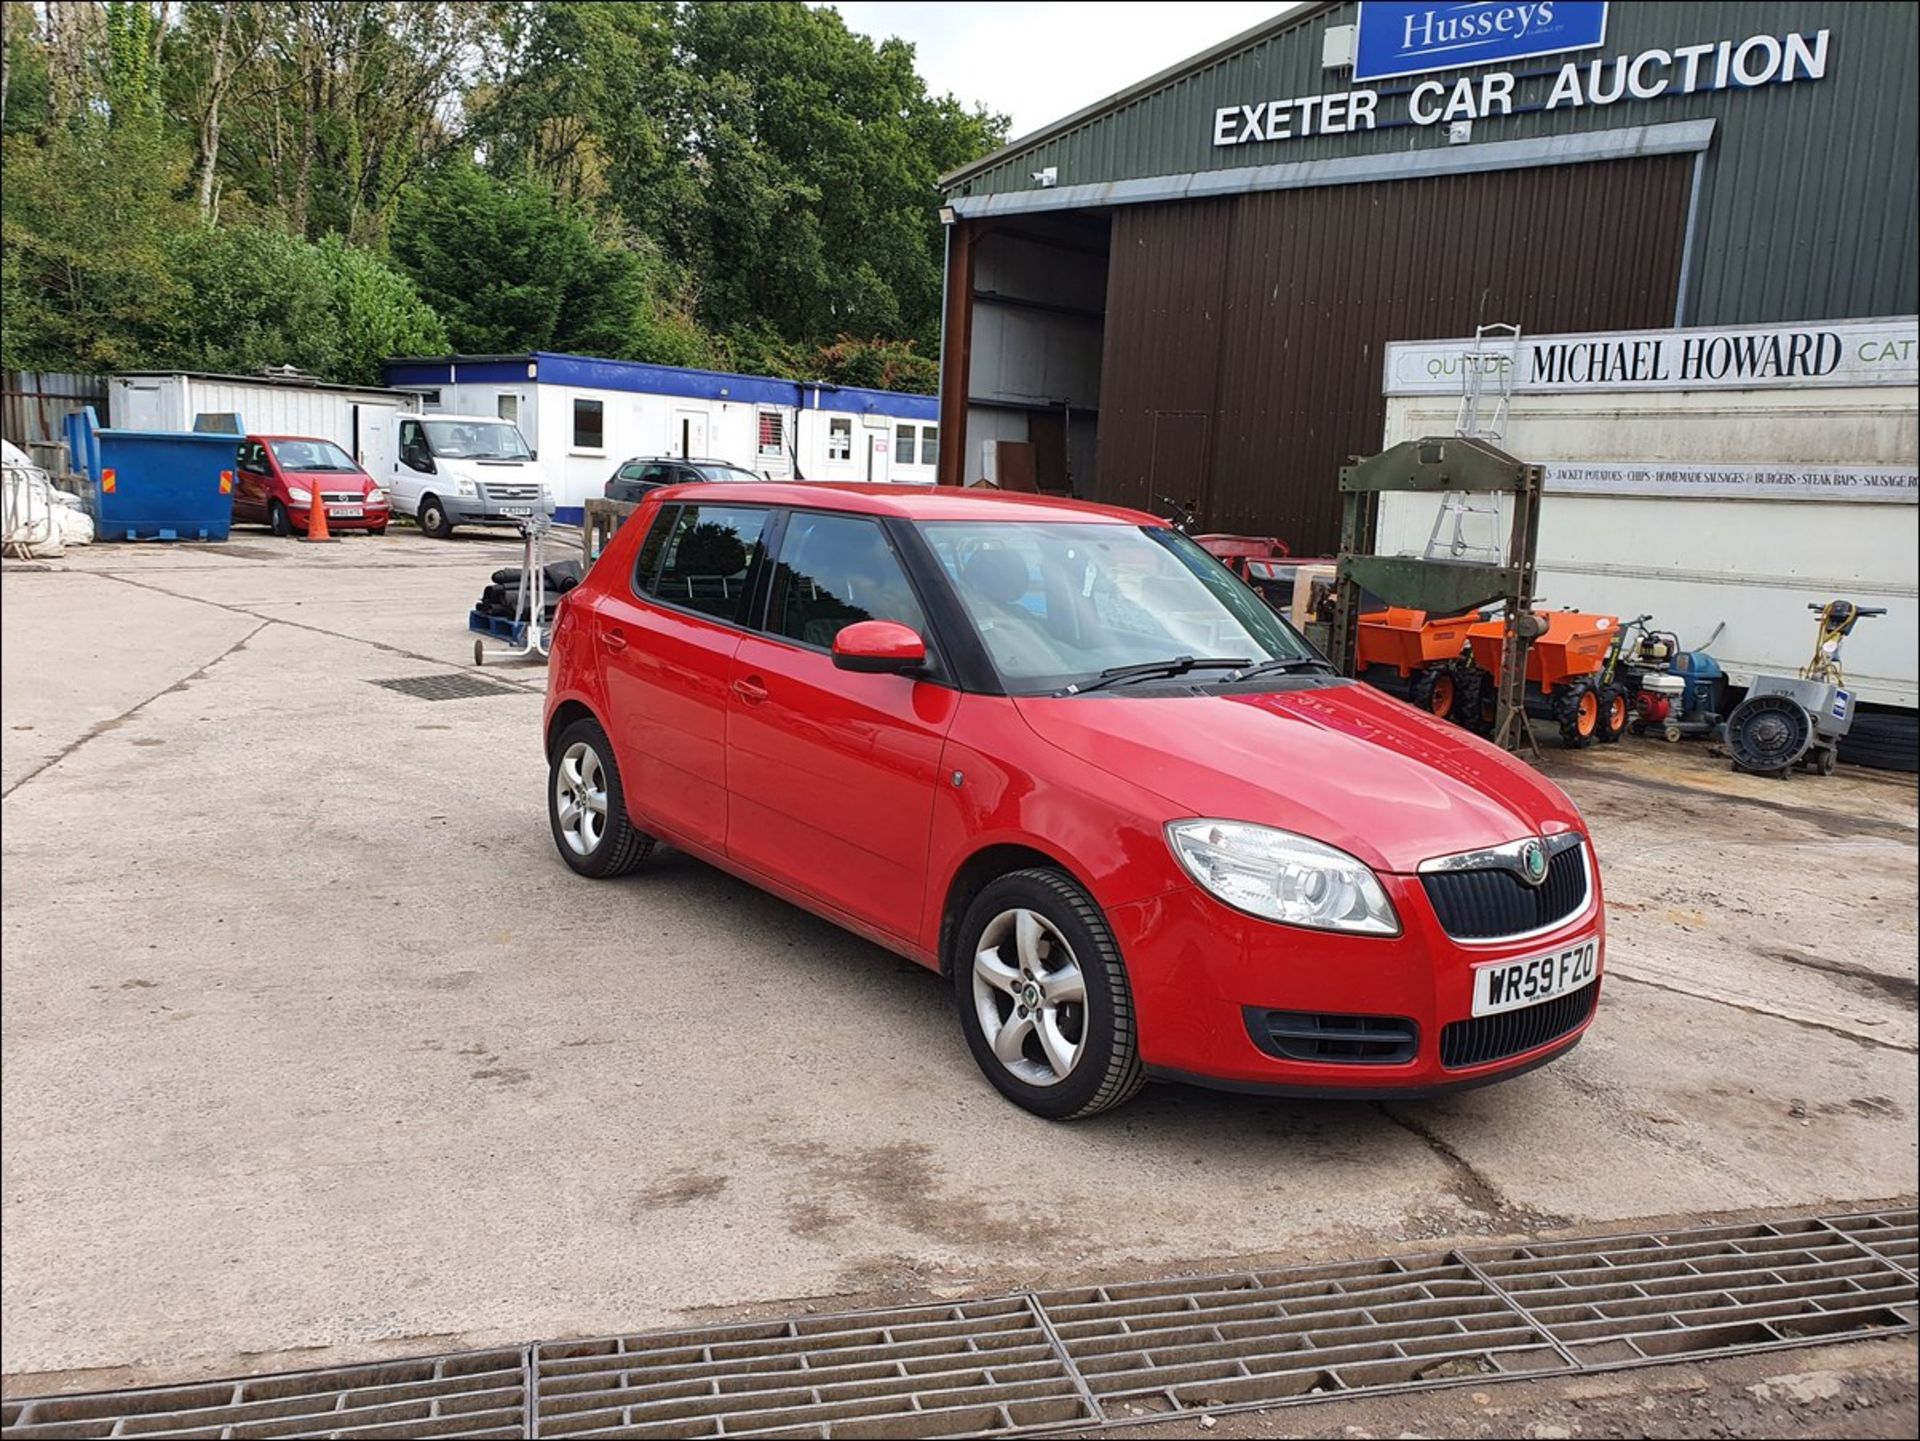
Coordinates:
1184 290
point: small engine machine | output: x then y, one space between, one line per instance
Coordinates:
1789 721
1676 692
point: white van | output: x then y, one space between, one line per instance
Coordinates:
448 470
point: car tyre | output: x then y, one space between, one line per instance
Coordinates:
433 518
1010 949
376 530
278 521
583 781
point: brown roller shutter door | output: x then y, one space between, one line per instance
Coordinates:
1251 330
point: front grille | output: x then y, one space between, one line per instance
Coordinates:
1350 1040
497 490
341 497
1494 1038
1487 904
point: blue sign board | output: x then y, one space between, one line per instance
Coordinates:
1410 37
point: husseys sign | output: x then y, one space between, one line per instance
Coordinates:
1684 70
1408 37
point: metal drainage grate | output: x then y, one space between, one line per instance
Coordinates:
453 685
979 1367
477 1393
1073 1359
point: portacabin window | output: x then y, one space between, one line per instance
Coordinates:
929 444
773 433
589 425
839 439
903 445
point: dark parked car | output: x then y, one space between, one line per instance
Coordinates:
644 474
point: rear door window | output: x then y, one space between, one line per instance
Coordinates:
835 570
706 556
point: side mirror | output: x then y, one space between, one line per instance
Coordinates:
879 647
419 458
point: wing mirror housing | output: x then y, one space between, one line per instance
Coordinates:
879 647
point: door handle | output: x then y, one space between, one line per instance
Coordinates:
615 638
750 690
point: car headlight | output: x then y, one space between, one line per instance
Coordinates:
1279 876
464 487
376 496
294 492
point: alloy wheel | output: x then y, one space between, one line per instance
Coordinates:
1030 996
580 798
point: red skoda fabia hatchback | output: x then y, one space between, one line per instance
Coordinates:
1059 752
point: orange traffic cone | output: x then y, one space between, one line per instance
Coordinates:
317 519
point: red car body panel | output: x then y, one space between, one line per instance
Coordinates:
254 489
863 796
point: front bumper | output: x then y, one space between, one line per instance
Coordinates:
1203 974
469 510
370 518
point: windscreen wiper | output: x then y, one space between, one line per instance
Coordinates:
1178 665
1284 665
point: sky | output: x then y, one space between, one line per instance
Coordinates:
1038 62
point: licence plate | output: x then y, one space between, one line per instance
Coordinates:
516 510
345 512
1509 985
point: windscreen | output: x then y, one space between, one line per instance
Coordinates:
316 455
1058 604
475 440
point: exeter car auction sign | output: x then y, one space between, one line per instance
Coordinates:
1763 59
1409 37
1738 357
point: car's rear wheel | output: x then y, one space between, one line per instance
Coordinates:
433 518
278 521
1043 997
587 808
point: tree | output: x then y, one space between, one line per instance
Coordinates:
820 153
224 185
510 268
88 215
377 313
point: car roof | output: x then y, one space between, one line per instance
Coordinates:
311 439
919 502
685 460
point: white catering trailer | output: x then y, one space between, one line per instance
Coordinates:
1721 478
353 417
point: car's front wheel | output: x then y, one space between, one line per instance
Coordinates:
278 521
1044 999
587 807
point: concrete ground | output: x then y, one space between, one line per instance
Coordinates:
314 1052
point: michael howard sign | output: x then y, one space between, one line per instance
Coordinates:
1409 37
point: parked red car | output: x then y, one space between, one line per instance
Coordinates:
1059 752
276 476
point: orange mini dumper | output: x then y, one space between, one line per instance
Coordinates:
1406 653
1563 674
